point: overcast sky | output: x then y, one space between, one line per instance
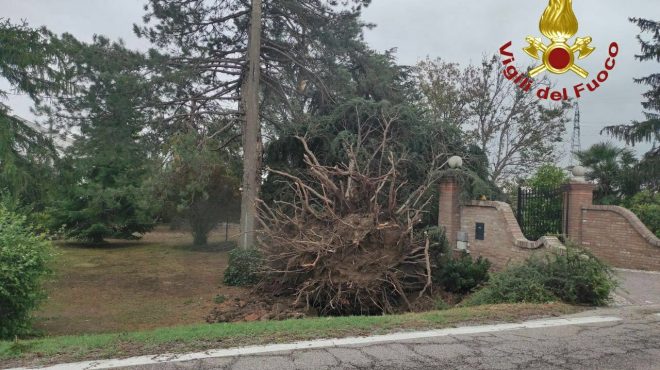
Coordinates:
458 31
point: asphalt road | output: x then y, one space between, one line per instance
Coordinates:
637 288
630 343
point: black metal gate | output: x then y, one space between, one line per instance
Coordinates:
539 212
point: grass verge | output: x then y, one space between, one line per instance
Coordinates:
201 337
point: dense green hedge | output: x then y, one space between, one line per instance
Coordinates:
24 259
573 276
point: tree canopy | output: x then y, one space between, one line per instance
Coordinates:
648 130
514 129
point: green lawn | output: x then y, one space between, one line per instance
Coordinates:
207 336
159 281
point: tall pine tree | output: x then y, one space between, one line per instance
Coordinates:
101 187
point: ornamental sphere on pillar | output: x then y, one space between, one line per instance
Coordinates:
455 162
579 172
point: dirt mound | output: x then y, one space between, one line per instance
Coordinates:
257 308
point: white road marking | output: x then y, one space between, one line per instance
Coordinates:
638 271
326 343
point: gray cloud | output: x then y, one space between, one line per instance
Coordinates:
460 31
465 31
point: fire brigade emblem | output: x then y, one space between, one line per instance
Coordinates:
559 24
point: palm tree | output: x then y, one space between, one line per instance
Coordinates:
614 170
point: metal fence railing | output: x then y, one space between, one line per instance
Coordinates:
539 212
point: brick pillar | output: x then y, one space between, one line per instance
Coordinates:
449 216
576 195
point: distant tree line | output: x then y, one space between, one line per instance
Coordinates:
160 134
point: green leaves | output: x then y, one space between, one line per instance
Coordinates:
30 60
201 183
649 130
646 205
26 156
614 169
244 267
572 276
461 275
101 193
513 129
548 177
24 257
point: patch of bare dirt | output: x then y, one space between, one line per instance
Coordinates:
257 308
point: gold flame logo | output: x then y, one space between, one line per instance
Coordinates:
559 23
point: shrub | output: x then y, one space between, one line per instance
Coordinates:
441 305
24 261
646 205
517 284
461 275
438 247
244 266
578 277
573 276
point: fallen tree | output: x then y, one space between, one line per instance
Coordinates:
348 241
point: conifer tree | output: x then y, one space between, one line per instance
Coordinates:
30 63
648 130
101 193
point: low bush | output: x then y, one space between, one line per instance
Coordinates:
578 277
573 276
438 246
517 284
24 259
441 305
244 267
463 274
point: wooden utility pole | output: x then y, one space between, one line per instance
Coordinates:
251 131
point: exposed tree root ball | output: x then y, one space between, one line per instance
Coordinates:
347 243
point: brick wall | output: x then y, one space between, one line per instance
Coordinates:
503 240
613 234
618 237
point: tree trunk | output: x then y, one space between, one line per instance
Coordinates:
200 239
251 131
